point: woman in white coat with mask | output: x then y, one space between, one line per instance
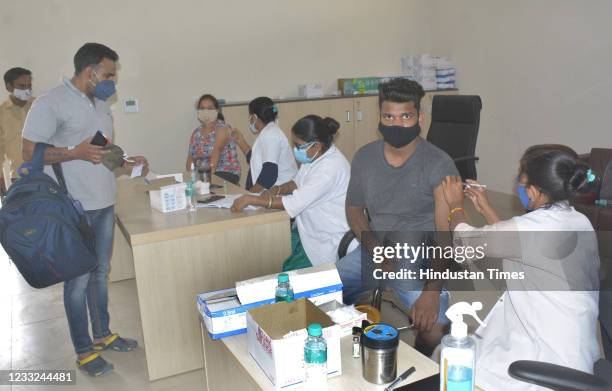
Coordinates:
315 197
270 160
550 314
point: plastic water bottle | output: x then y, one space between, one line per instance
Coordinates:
315 359
284 291
194 173
190 196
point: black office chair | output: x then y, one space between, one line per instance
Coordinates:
454 129
560 378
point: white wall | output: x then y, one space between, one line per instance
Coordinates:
542 68
173 51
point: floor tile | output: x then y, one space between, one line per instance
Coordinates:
41 342
39 305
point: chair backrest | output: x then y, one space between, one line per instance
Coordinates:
605 192
454 128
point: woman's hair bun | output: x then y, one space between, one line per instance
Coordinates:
332 125
578 178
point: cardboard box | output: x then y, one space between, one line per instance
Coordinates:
313 90
276 335
320 284
223 312
169 198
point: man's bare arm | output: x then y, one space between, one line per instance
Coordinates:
83 151
358 221
441 211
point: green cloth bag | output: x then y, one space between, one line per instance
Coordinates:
298 258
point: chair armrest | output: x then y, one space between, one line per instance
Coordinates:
466 158
344 244
555 377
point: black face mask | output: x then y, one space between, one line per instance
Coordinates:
399 136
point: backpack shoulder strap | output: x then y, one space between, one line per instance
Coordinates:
38 157
59 175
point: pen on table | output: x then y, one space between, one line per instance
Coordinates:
401 378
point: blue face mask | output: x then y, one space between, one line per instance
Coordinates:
301 153
522 193
104 89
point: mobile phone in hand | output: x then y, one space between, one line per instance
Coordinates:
99 139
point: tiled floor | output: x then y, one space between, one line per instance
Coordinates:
34 335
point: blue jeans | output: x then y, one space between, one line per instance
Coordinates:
91 290
408 291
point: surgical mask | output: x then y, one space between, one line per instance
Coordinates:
301 154
104 89
399 136
23 95
522 193
207 115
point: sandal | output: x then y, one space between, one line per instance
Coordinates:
94 365
115 342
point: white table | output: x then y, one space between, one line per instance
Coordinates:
229 366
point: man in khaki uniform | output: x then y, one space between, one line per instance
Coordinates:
13 111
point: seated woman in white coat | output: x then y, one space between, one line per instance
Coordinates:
315 197
270 160
536 318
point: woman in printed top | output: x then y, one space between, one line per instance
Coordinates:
211 149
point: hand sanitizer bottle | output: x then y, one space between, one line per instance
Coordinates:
458 350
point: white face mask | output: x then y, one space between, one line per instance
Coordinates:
252 127
206 115
23 95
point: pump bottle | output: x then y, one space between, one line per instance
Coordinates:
457 358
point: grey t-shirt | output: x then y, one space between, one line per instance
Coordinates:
65 117
398 198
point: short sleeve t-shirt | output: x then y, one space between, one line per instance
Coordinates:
398 198
65 117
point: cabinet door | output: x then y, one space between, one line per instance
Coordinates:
339 109
366 120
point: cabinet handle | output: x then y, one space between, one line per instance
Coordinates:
359 115
348 116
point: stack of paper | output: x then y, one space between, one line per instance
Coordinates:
225 203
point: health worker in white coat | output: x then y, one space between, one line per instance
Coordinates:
316 196
549 315
270 160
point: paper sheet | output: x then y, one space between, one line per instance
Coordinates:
225 203
137 170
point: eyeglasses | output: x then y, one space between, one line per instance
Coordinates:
305 145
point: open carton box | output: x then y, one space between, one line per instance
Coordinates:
276 335
224 311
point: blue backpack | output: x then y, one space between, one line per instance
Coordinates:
43 229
